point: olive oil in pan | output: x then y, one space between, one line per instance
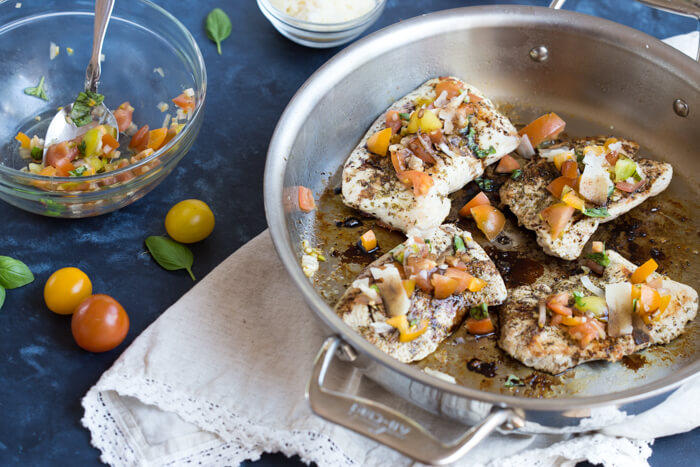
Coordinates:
662 228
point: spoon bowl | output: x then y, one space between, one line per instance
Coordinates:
62 128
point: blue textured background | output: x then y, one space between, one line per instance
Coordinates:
43 374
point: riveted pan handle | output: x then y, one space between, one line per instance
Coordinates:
388 426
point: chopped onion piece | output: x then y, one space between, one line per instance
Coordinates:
550 153
440 375
542 318
381 327
444 148
363 285
618 297
525 149
441 100
591 287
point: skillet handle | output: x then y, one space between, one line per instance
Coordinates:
388 426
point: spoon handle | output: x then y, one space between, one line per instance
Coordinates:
103 11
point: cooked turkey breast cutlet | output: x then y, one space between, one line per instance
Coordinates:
552 349
472 135
528 196
368 316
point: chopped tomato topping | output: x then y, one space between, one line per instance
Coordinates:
507 165
420 181
473 98
558 184
479 326
139 141
452 87
398 160
444 286
185 102
489 220
612 157
649 299
123 115
597 247
556 319
557 216
63 166
48 171
156 138
642 272
477 284
24 140
629 187
656 283
420 150
573 320
463 278
569 169
409 285
584 333
435 136
479 200
368 240
558 302
378 143
393 121
406 332
570 198
544 128
108 140
59 152
306 199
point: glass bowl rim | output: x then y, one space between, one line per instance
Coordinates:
312 26
199 59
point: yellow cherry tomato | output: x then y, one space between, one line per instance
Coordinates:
189 221
65 289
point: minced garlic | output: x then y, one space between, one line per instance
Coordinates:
325 11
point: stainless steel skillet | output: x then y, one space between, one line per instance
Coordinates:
604 77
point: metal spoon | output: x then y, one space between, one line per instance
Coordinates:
61 127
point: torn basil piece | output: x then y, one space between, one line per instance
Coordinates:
459 245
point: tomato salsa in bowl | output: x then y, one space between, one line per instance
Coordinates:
152 72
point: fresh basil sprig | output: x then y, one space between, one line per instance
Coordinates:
459 245
517 173
14 273
479 312
596 212
472 144
218 27
37 91
600 258
83 105
170 254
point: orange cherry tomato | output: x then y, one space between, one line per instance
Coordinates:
479 326
642 272
123 116
378 143
557 216
558 184
463 279
489 220
444 285
507 164
420 181
393 121
451 86
185 102
479 200
99 323
306 199
139 141
368 240
544 128
65 289
569 169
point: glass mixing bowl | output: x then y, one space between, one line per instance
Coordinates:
149 58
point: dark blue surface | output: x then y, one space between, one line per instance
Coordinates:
43 374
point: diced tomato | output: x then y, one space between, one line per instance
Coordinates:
557 216
558 184
415 264
407 333
569 169
24 140
368 240
597 247
612 157
642 272
63 166
48 171
544 128
172 132
557 303
573 320
479 200
562 298
60 151
663 303
123 115
479 326
452 87
570 198
126 176
393 122
156 138
507 165
629 187
649 299
378 143
398 160
139 141
185 102
108 140
556 319
489 220
420 181
444 286
477 284
409 285
463 279
584 333
419 150
306 199
435 136
656 283
473 98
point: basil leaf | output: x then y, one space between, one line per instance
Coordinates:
405 116
14 273
37 91
170 254
517 173
2 296
37 153
459 245
577 298
513 381
473 146
596 212
218 27
479 312
600 258
78 172
81 112
485 184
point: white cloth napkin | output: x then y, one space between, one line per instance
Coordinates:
219 378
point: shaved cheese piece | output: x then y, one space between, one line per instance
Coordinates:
525 148
550 153
441 100
440 375
444 148
391 290
591 287
381 327
619 299
615 147
595 184
363 285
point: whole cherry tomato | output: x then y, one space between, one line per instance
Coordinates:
99 323
65 289
189 221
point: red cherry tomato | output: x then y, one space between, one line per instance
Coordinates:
99 323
